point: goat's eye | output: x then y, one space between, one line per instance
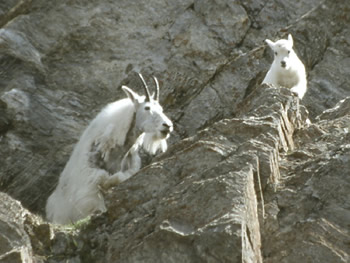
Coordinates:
276 53
147 108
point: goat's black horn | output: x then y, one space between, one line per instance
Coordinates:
157 88
148 95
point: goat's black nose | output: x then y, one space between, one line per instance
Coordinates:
283 64
166 125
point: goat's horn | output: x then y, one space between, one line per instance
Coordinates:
148 95
157 88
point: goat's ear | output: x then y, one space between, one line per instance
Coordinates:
290 39
131 94
270 43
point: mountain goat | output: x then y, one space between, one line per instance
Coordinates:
286 70
107 153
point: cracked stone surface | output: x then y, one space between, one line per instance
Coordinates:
251 174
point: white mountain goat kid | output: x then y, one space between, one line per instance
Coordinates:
107 153
286 70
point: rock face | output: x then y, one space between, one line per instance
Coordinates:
246 178
21 233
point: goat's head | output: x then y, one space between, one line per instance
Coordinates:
283 51
149 113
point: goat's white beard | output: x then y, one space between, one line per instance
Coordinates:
152 143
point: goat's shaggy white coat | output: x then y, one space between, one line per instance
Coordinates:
114 136
286 70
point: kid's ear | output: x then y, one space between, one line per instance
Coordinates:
131 94
270 43
290 39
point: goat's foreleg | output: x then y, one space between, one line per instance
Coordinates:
299 89
130 165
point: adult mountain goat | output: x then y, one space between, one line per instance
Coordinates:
107 153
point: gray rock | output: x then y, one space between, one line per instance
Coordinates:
247 177
312 203
15 241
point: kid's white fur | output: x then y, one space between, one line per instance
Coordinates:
286 70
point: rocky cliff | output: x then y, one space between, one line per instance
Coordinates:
247 177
